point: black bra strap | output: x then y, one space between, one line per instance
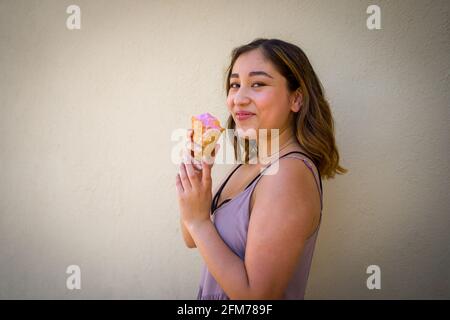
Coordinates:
217 195
219 191
320 179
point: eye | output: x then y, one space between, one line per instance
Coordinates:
260 84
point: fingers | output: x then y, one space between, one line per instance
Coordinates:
191 147
206 174
188 158
178 184
196 164
207 165
189 174
192 174
184 178
182 182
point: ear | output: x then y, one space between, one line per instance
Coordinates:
297 101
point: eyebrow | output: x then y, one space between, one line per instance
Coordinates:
253 73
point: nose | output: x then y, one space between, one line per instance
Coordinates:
240 98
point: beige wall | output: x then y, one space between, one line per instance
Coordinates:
86 118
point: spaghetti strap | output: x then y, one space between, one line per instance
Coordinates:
214 203
320 179
318 172
219 191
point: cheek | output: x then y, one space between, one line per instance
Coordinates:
266 99
266 104
229 102
272 113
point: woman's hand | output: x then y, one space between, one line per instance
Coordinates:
194 189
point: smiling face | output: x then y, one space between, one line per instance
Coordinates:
256 87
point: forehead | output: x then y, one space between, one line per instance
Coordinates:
252 61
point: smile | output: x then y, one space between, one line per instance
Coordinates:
244 116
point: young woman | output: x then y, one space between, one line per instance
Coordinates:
257 235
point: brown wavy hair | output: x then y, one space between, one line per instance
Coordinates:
313 124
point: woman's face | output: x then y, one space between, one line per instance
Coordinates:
258 90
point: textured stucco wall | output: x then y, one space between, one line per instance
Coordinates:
86 118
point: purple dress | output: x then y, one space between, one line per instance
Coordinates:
231 220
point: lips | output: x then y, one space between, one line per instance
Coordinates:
243 115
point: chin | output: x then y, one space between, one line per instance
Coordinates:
246 132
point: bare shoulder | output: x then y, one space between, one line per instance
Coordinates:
291 188
284 215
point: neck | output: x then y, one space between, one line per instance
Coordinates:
268 146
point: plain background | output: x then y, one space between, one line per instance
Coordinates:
86 118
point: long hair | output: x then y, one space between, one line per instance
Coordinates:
313 124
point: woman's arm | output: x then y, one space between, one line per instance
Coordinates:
276 236
187 236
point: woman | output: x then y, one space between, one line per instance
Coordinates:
260 240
